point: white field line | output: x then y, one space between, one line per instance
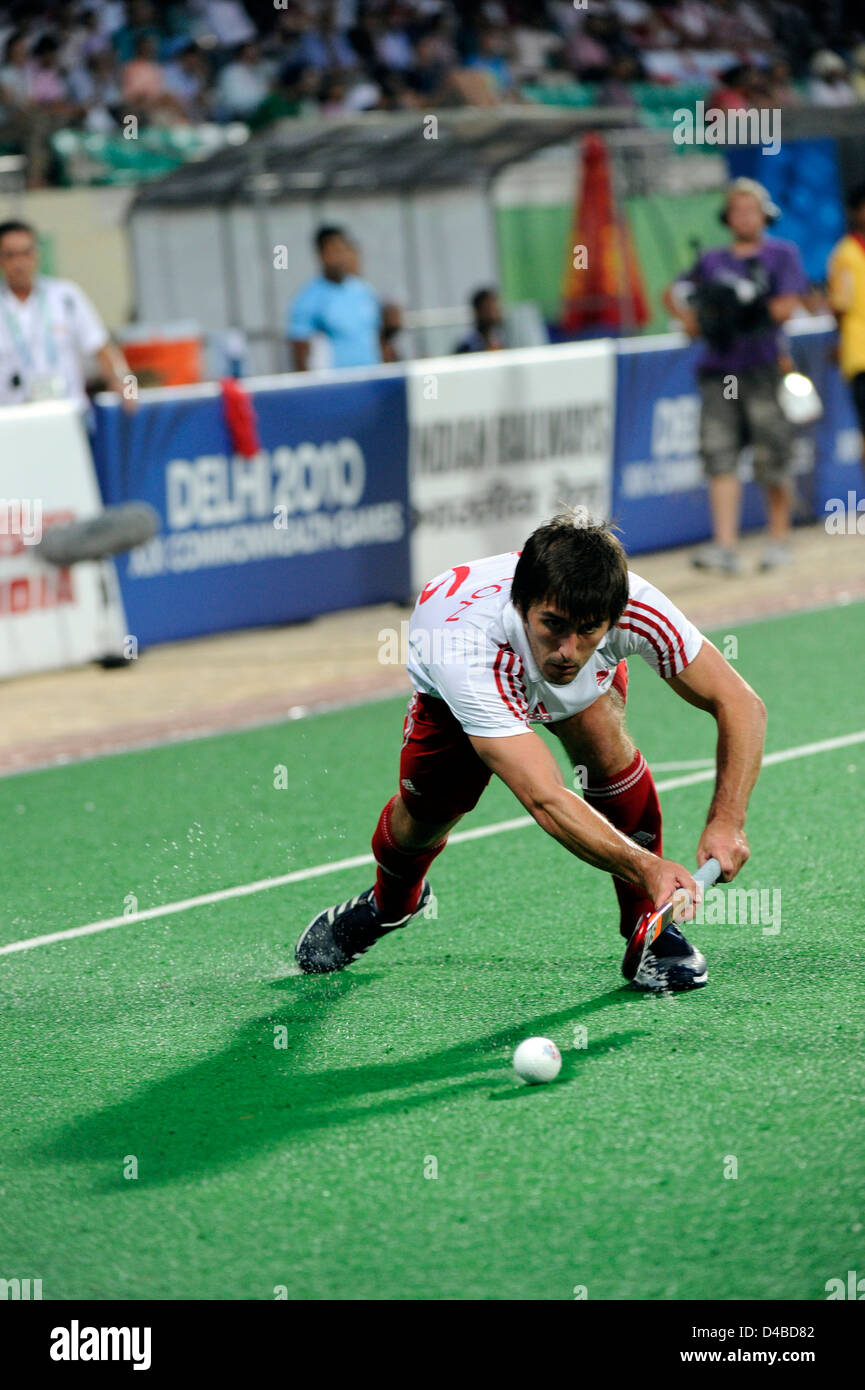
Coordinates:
685 766
243 890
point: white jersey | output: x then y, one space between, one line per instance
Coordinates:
45 338
468 646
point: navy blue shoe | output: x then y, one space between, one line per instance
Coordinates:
672 963
340 934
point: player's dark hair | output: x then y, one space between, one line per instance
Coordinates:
856 197
578 565
325 233
14 225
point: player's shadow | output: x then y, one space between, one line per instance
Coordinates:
255 1096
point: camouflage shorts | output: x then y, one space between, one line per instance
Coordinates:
752 416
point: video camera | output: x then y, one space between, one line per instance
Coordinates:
733 305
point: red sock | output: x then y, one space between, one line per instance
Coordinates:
401 872
630 802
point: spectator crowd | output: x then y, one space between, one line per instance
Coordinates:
88 65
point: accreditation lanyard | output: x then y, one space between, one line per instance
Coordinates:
22 347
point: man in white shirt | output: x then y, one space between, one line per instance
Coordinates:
48 328
542 636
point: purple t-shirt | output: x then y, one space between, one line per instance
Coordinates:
774 270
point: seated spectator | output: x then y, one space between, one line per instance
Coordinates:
141 76
487 335
396 94
95 86
363 94
757 87
618 89
227 20
143 88
535 46
490 59
326 47
15 72
47 84
110 16
737 26
829 85
780 83
293 94
380 44
291 23
186 77
48 87
93 38
244 84
430 71
692 18
730 93
586 52
140 24
70 38
333 95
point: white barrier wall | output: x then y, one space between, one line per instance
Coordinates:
499 440
50 617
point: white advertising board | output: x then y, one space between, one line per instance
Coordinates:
50 617
499 440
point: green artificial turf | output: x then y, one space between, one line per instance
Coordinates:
309 1167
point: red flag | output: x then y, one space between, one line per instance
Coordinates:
602 286
240 418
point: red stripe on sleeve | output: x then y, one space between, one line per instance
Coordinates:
504 651
662 656
515 667
637 603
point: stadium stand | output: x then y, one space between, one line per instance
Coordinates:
82 83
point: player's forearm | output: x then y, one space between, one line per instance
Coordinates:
588 835
741 732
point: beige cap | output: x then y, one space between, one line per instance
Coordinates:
769 209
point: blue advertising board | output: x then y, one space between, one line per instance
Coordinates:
659 493
316 521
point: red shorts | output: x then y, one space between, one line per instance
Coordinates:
440 774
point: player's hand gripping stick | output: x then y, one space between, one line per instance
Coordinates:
651 924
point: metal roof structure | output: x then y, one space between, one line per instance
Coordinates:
376 152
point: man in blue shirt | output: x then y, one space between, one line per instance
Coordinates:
337 304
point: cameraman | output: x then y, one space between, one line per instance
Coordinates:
736 298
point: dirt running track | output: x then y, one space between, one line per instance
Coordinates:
186 689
